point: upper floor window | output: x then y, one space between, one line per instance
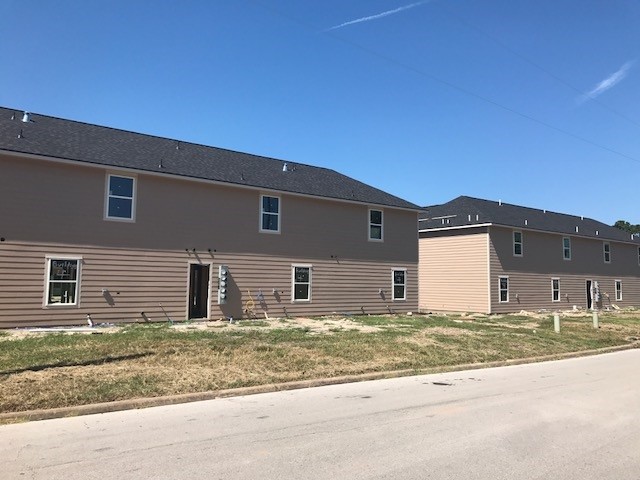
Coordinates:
503 288
120 204
375 224
566 248
606 249
638 255
399 286
555 289
269 214
618 290
63 275
517 244
301 283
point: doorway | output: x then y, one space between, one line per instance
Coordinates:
198 290
589 296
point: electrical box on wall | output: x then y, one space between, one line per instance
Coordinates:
223 274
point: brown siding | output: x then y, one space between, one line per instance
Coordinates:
454 272
530 275
50 208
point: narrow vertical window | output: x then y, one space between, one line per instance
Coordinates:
399 284
503 287
301 283
269 214
120 204
517 244
375 225
606 249
555 289
63 275
566 248
638 255
618 290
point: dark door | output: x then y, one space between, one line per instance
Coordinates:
198 290
589 300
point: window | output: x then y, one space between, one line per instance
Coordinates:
566 248
399 284
269 214
555 289
503 287
120 198
375 225
63 275
301 283
618 290
517 244
606 248
638 255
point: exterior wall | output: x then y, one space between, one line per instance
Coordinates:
49 208
530 275
454 271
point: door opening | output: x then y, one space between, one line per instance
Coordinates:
198 291
589 295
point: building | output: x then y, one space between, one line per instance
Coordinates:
491 257
121 226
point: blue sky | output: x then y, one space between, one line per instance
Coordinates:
534 102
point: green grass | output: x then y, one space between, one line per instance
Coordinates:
58 370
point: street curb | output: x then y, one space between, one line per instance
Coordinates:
137 403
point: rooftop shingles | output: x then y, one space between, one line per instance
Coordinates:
459 209
87 143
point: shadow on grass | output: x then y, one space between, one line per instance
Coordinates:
85 363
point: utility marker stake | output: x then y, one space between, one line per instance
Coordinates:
595 319
556 323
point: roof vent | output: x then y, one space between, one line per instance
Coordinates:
581 217
597 233
476 218
285 167
500 202
576 229
544 211
25 117
526 222
469 217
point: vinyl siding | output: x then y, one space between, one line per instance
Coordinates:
530 275
453 272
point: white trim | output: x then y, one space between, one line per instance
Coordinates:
552 289
47 284
194 179
615 286
107 196
460 227
499 289
393 284
513 249
278 214
293 282
370 224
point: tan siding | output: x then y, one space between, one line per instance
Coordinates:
140 281
530 275
453 273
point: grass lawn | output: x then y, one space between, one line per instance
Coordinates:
57 370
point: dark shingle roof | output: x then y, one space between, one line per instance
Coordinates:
86 143
468 211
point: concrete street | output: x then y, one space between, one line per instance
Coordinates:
570 419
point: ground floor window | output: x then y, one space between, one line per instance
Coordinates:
399 286
301 283
63 276
555 289
618 290
503 287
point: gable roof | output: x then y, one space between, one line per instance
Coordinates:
465 211
92 144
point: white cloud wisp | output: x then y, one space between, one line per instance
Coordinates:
378 15
608 82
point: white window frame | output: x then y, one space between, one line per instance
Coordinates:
393 284
606 252
618 288
108 196
370 224
47 281
555 290
500 289
294 283
566 248
277 214
521 243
